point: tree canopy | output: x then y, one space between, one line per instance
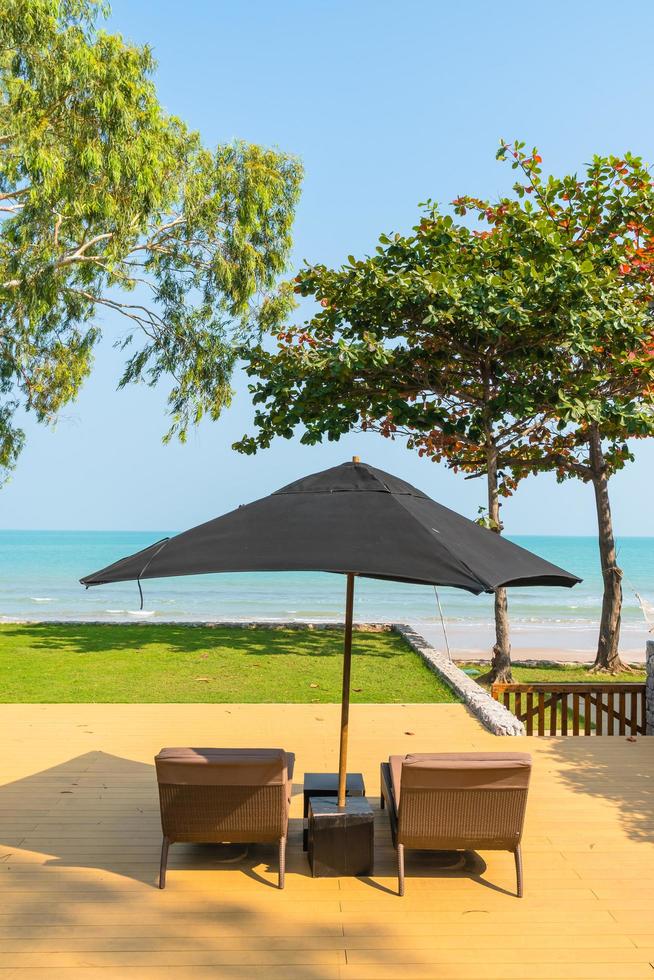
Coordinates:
604 222
605 387
402 336
503 350
109 202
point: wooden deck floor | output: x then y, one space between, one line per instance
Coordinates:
79 844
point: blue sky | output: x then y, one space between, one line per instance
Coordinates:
387 104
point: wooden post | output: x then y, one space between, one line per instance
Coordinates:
345 701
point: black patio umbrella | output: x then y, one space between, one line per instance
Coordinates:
352 519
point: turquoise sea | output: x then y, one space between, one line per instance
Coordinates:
39 572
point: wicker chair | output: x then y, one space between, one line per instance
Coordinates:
456 801
224 795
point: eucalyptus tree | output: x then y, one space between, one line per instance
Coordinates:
107 202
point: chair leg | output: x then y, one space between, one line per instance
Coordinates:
165 844
518 870
400 869
282 862
382 801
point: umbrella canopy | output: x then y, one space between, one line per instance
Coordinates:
353 519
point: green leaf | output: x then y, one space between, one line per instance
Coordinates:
114 183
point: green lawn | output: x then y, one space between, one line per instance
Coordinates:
147 663
562 674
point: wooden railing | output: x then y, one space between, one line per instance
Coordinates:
576 709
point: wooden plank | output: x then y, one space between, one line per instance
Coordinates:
615 686
254 972
448 942
553 712
530 713
622 707
633 726
610 723
541 713
187 957
518 704
575 713
599 714
499 952
587 723
564 714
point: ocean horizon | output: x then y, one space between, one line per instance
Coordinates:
39 573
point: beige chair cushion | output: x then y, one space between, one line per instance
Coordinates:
224 767
459 770
395 764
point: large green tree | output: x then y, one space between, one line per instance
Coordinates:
439 337
108 202
489 348
604 385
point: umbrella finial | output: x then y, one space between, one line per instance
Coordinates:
356 459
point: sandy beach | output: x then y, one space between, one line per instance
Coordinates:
560 643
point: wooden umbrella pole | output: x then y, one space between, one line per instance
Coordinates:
345 701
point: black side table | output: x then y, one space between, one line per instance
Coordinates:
341 841
326 784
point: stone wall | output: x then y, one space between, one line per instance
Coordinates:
649 724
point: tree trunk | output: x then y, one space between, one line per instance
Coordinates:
500 670
607 659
